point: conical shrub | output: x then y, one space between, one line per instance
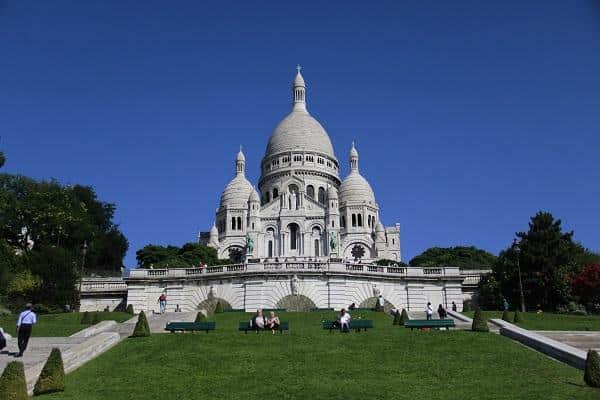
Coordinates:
479 323
466 307
52 378
403 317
592 369
518 318
129 309
86 319
200 317
141 327
218 307
95 318
397 318
12 382
505 316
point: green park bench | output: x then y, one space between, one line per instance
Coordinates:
234 310
266 310
357 325
245 327
321 309
429 323
190 326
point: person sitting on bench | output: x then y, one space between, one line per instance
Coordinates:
273 322
258 321
344 320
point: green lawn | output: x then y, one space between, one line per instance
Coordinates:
388 362
551 322
58 324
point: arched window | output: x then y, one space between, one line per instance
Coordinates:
354 220
369 221
267 197
343 221
360 220
321 195
317 252
239 223
270 250
233 223
293 188
293 236
275 193
310 191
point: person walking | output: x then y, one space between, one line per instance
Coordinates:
162 301
24 325
429 310
441 312
344 320
454 308
505 305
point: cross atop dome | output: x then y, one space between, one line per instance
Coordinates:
299 91
298 68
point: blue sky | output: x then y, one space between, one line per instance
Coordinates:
469 116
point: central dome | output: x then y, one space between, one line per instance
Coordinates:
299 131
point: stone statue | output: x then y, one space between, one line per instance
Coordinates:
294 285
249 244
332 241
376 291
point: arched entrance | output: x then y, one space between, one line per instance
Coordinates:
372 301
296 303
210 304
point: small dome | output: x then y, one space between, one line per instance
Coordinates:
236 193
332 193
380 228
299 80
214 231
353 152
356 189
299 131
240 156
254 196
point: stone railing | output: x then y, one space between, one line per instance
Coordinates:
92 285
300 267
472 277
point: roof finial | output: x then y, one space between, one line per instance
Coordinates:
298 68
299 91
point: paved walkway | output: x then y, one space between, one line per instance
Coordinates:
582 340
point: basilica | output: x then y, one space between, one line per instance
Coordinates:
301 209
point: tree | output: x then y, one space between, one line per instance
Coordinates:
396 318
52 377
12 382
129 309
586 286
479 322
403 317
460 256
2 159
592 369
142 329
190 254
218 307
489 296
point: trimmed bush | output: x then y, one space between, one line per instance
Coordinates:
466 307
12 382
200 317
95 318
218 307
592 369
129 309
141 327
52 378
378 307
397 318
505 316
518 318
403 317
479 323
86 319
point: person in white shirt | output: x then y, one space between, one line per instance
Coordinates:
429 311
24 324
345 318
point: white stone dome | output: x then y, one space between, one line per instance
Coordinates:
356 189
254 196
299 131
236 193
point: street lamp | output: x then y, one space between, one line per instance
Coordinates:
83 254
517 250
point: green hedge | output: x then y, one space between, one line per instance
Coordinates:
506 316
141 327
12 382
479 323
218 307
592 369
403 317
129 309
397 317
518 318
86 319
52 378
200 317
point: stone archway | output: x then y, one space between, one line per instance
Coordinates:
296 303
372 301
210 304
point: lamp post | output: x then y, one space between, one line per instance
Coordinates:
517 251
83 254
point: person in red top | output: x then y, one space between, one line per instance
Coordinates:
162 301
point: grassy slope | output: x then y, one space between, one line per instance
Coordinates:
58 324
388 362
551 322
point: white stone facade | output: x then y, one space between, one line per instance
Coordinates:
302 210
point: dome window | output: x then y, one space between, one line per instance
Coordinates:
310 191
321 195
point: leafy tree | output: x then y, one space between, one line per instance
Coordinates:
387 262
2 159
592 369
459 256
479 322
586 286
12 382
52 377
142 329
489 296
190 254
